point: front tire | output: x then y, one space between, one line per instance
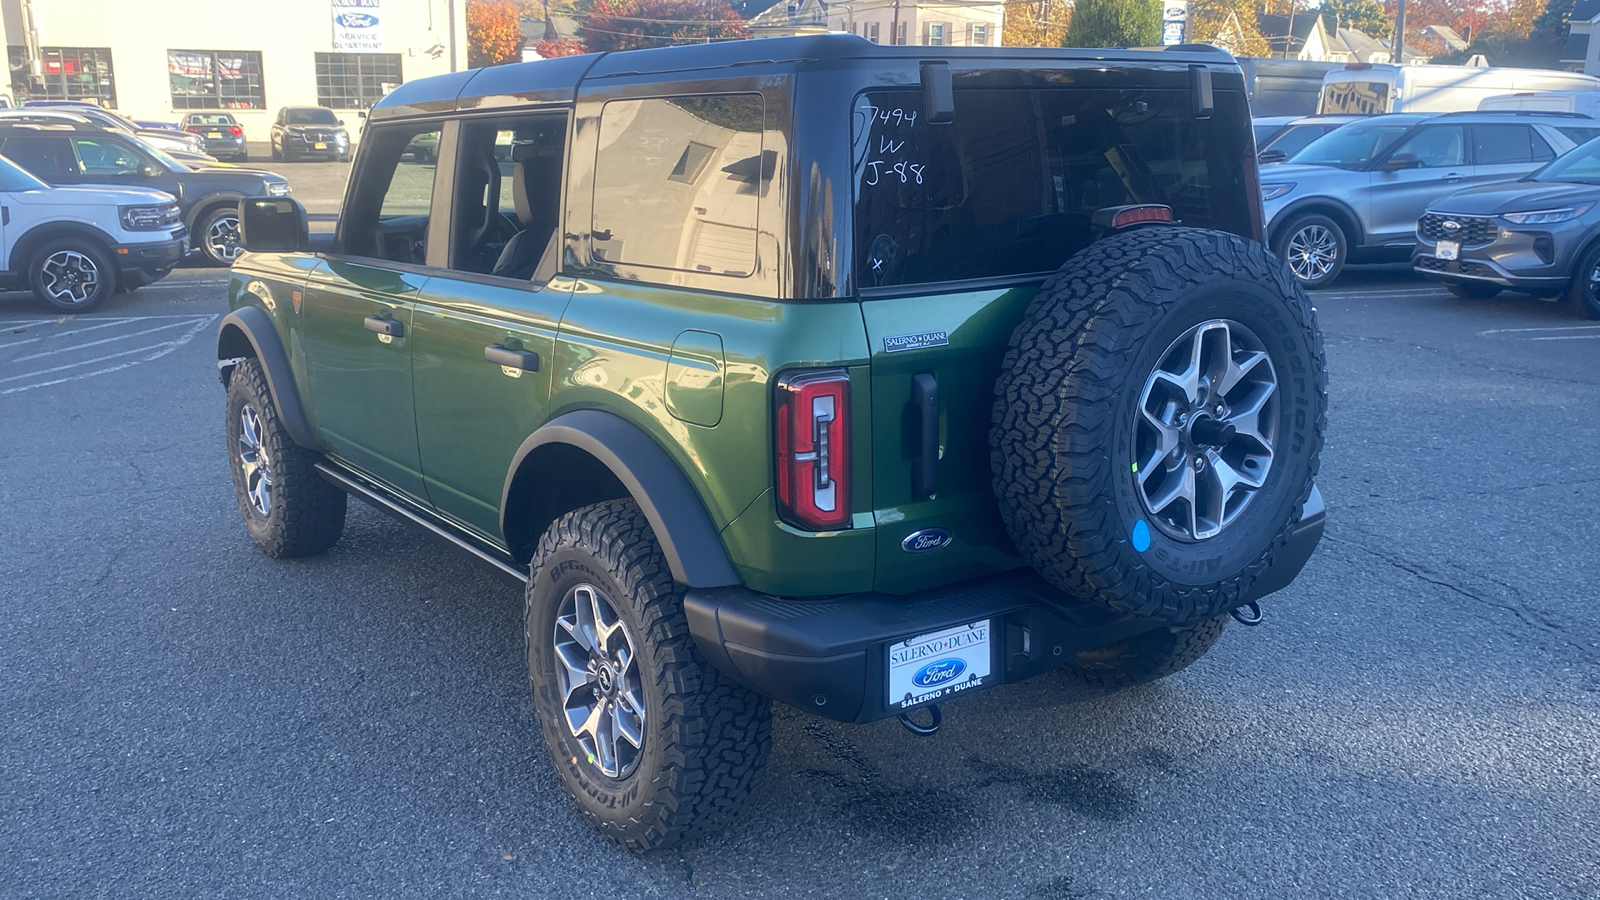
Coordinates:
72 274
651 741
1315 248
1585 290
1472 290
289 510
218 232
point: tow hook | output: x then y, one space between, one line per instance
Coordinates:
1251 618
923 730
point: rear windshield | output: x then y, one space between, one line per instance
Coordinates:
1355 97
210 119
1009 186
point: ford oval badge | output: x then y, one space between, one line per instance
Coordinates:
926 540
940 671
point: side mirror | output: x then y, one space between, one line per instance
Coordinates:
1267 157
1401 161
361 114
340 121
148 171
273 225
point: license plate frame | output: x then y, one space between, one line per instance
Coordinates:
213 134
938 664
1449 250
320 145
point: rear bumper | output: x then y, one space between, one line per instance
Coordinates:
830 657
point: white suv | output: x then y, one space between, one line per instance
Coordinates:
75 245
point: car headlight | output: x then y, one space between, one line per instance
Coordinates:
1274 191
278 189
1547 216
149 218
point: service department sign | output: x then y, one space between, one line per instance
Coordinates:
357 26
1174 19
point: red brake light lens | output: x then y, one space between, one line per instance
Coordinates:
813 445
236 130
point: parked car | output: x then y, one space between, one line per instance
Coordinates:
1292 136
158 126
160 138
63 116
87 154
1375 88
424 148
1540 234
74 246
304 132
222 133
1354 194
745 381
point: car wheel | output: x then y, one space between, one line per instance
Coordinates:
1158 421
289 510
651 741
1585 290
1472 290
1315 248
72 274
1145 657
277 153
219 236
244 155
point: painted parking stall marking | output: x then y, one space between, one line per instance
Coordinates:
44 352
1545 333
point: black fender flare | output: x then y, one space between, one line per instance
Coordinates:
248 332
1299 206
206 204
688 537
22 249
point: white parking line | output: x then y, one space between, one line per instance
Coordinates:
1569 337
153 351
110 340
1540 328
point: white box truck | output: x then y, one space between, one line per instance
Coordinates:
1371 88
1582 103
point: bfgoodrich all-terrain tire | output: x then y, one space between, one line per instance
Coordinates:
1146 657
1158 421
288 508
653 744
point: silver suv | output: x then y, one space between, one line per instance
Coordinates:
1354 194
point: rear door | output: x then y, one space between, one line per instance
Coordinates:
485 329
956 226
1506 152
358 308
1399 197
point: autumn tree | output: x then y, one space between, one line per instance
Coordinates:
1036 23
548 49
1114 23
1229 24
1365 16
493 35
635 24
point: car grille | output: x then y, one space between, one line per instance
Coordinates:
1473 230
1454 266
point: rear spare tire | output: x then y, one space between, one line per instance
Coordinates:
1158 421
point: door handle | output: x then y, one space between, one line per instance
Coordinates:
925 407
526 360
381 325
1452 178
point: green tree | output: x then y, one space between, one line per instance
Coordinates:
1365 16
1551 26
1115 23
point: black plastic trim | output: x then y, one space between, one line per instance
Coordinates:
256 326
688 537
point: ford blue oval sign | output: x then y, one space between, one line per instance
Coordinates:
940 671
356 20
926 540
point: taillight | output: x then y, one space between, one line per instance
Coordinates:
193 129
236 131
813 441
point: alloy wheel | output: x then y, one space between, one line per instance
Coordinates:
254 462
601 689
1313 251
1203 438
70 277
222 238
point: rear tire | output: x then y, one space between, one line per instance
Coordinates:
289 509
1146 657
703 739
277 154
1315 248
1472 290
1159 421
73 274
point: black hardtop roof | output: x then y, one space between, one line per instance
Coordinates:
556 80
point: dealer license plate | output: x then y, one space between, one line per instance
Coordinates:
1448 250
930 666
321 145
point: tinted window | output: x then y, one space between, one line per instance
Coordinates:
43 156
1503 144
98 156
677 182
1295 139
508 195
1437 146
1581 165
1352 146
1009 186
209 119
1579 135
1355 97
15 178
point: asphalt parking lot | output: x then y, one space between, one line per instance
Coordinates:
1419 716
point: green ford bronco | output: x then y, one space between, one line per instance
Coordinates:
804 369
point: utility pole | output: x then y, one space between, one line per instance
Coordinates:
894 26
1288 39
1399 33
450 10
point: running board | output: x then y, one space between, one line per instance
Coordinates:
376 496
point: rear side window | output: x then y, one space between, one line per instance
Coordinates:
44 156
1508 144
1009 186
677 182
